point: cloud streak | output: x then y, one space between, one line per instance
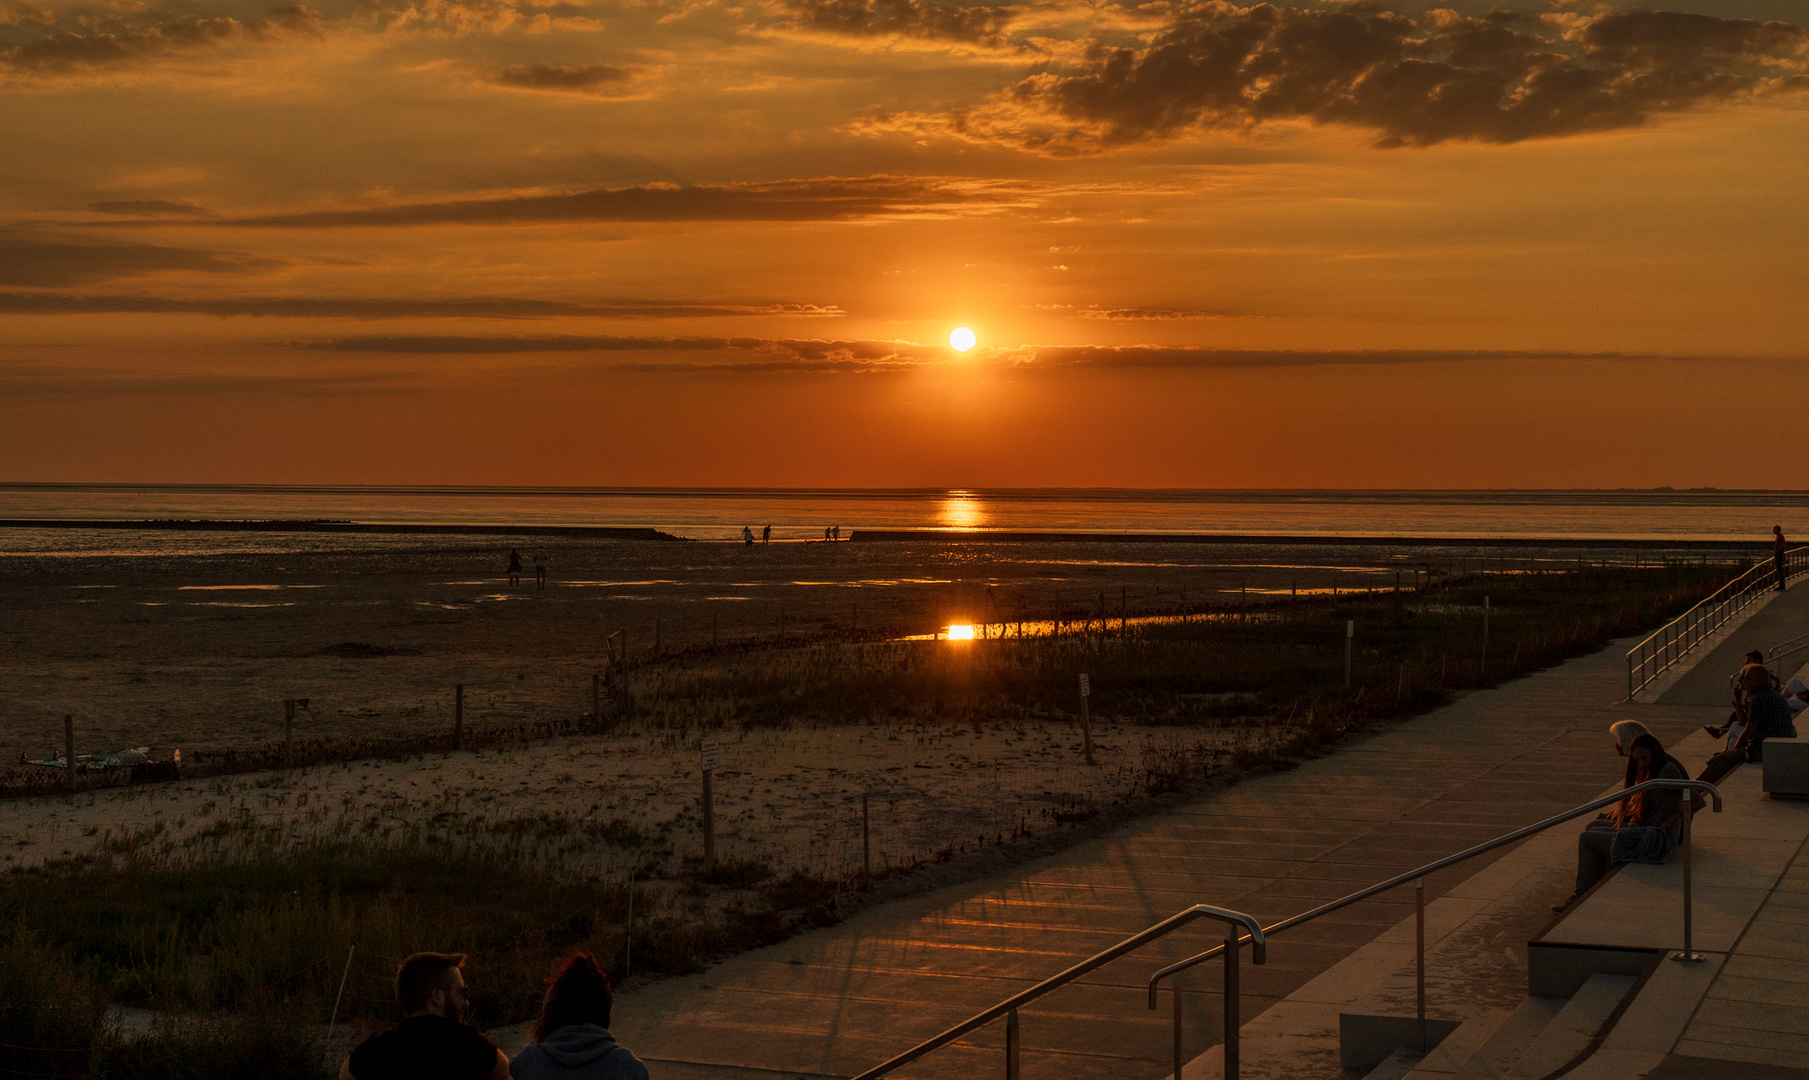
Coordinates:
49 264
976 25
1415 80
587 80
781 351
90 51
816 199
387 308
804 355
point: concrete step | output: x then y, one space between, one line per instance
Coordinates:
1444 1060
1496 1057
1574 1027
1396 1066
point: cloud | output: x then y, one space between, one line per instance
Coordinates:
805 355
820 199
1150 314
47 264
1157 356
1415 80
477 308
978 25
779 354
42 379
90 51
462 17
589 80
16 13
151 208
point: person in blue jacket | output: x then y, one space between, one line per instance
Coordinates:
571 1038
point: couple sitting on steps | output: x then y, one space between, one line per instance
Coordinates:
431 1041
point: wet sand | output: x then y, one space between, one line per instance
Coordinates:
178 649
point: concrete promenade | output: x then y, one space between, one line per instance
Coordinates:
836 1001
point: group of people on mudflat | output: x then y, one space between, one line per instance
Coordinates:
539 567
571 1037
1647 827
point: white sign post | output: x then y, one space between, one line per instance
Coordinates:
1086 719
709 758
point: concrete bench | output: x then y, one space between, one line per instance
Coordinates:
1786 768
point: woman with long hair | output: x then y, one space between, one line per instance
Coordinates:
1642 828
571 1038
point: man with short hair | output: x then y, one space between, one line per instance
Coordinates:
430 1042
1767 717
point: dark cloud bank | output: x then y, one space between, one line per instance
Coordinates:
1417 80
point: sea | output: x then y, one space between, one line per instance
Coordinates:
720 514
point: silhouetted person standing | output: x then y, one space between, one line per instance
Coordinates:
747 535
515 566
540 567
1777 552
766 535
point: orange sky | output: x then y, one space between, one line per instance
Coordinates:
691 242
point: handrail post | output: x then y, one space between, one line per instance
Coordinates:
1419 952
1231 1022
1178 1061
1011 1045
1689 955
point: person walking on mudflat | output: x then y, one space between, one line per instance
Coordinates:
540 567
1778 544
515 566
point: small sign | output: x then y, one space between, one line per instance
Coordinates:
711 756
1086 687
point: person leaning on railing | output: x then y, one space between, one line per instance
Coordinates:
1767 717
1644 828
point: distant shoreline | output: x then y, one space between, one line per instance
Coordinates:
595 532
1298 540
608 532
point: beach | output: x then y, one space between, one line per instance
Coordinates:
179 648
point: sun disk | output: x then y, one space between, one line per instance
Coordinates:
962 339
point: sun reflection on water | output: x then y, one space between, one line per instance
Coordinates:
961 511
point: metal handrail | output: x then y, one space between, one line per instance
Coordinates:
1009 1007
1418 875
1785 648
1674 640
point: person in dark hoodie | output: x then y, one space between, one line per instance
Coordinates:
571 1038
430 1042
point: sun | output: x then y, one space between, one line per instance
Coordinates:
961 339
